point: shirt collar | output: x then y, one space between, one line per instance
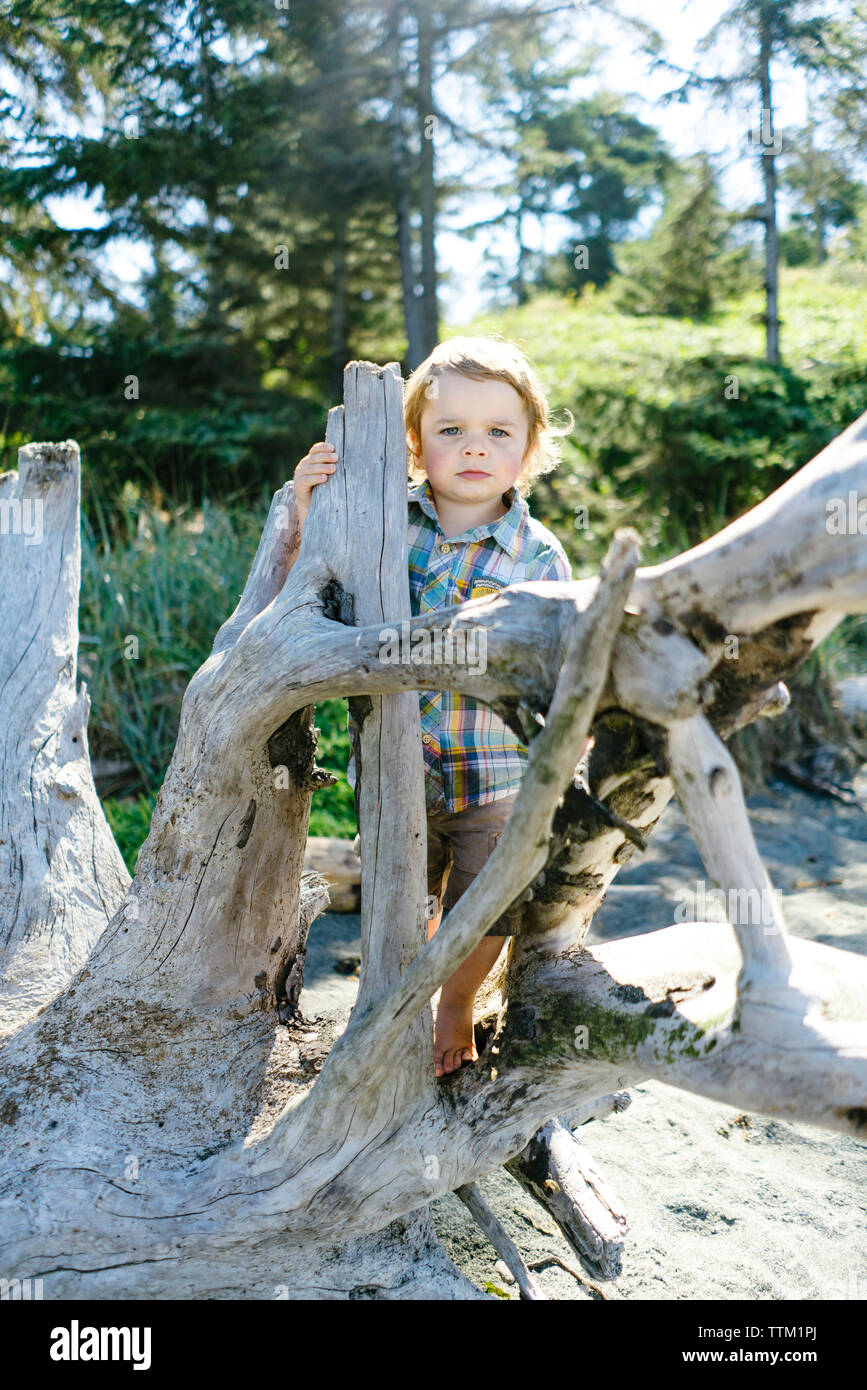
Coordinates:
506 530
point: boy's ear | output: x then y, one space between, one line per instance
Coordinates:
414 442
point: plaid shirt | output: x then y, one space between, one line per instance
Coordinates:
471 757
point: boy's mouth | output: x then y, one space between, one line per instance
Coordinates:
473 473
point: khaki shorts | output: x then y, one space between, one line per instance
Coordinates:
459 843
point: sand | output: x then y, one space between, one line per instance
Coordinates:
722 1204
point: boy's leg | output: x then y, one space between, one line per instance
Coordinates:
473 834
453 1038
439 863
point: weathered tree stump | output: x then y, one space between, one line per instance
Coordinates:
164 1134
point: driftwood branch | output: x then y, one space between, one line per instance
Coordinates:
499 1238
558 1171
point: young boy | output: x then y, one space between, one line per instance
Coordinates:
478 435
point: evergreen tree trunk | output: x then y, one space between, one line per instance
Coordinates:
402 203
769 212
339 351
820 236
212 290
427 185
520 281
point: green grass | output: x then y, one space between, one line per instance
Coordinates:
655 444
129 820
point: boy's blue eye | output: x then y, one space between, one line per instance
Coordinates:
447 428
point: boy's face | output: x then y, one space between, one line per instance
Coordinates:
473 438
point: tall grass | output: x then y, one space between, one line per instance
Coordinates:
156 585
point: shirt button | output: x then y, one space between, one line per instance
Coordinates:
425 738
445 547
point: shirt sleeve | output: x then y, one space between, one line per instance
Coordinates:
556 566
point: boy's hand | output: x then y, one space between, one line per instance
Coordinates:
315 468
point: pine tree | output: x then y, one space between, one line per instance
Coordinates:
805 34
826 196
616 166
686 265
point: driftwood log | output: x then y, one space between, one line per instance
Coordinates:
335 861
164 1135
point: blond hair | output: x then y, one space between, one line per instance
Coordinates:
493 358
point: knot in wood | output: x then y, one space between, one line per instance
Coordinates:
719 781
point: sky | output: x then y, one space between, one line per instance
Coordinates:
686 128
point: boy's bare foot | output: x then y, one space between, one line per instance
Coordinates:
453 1035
